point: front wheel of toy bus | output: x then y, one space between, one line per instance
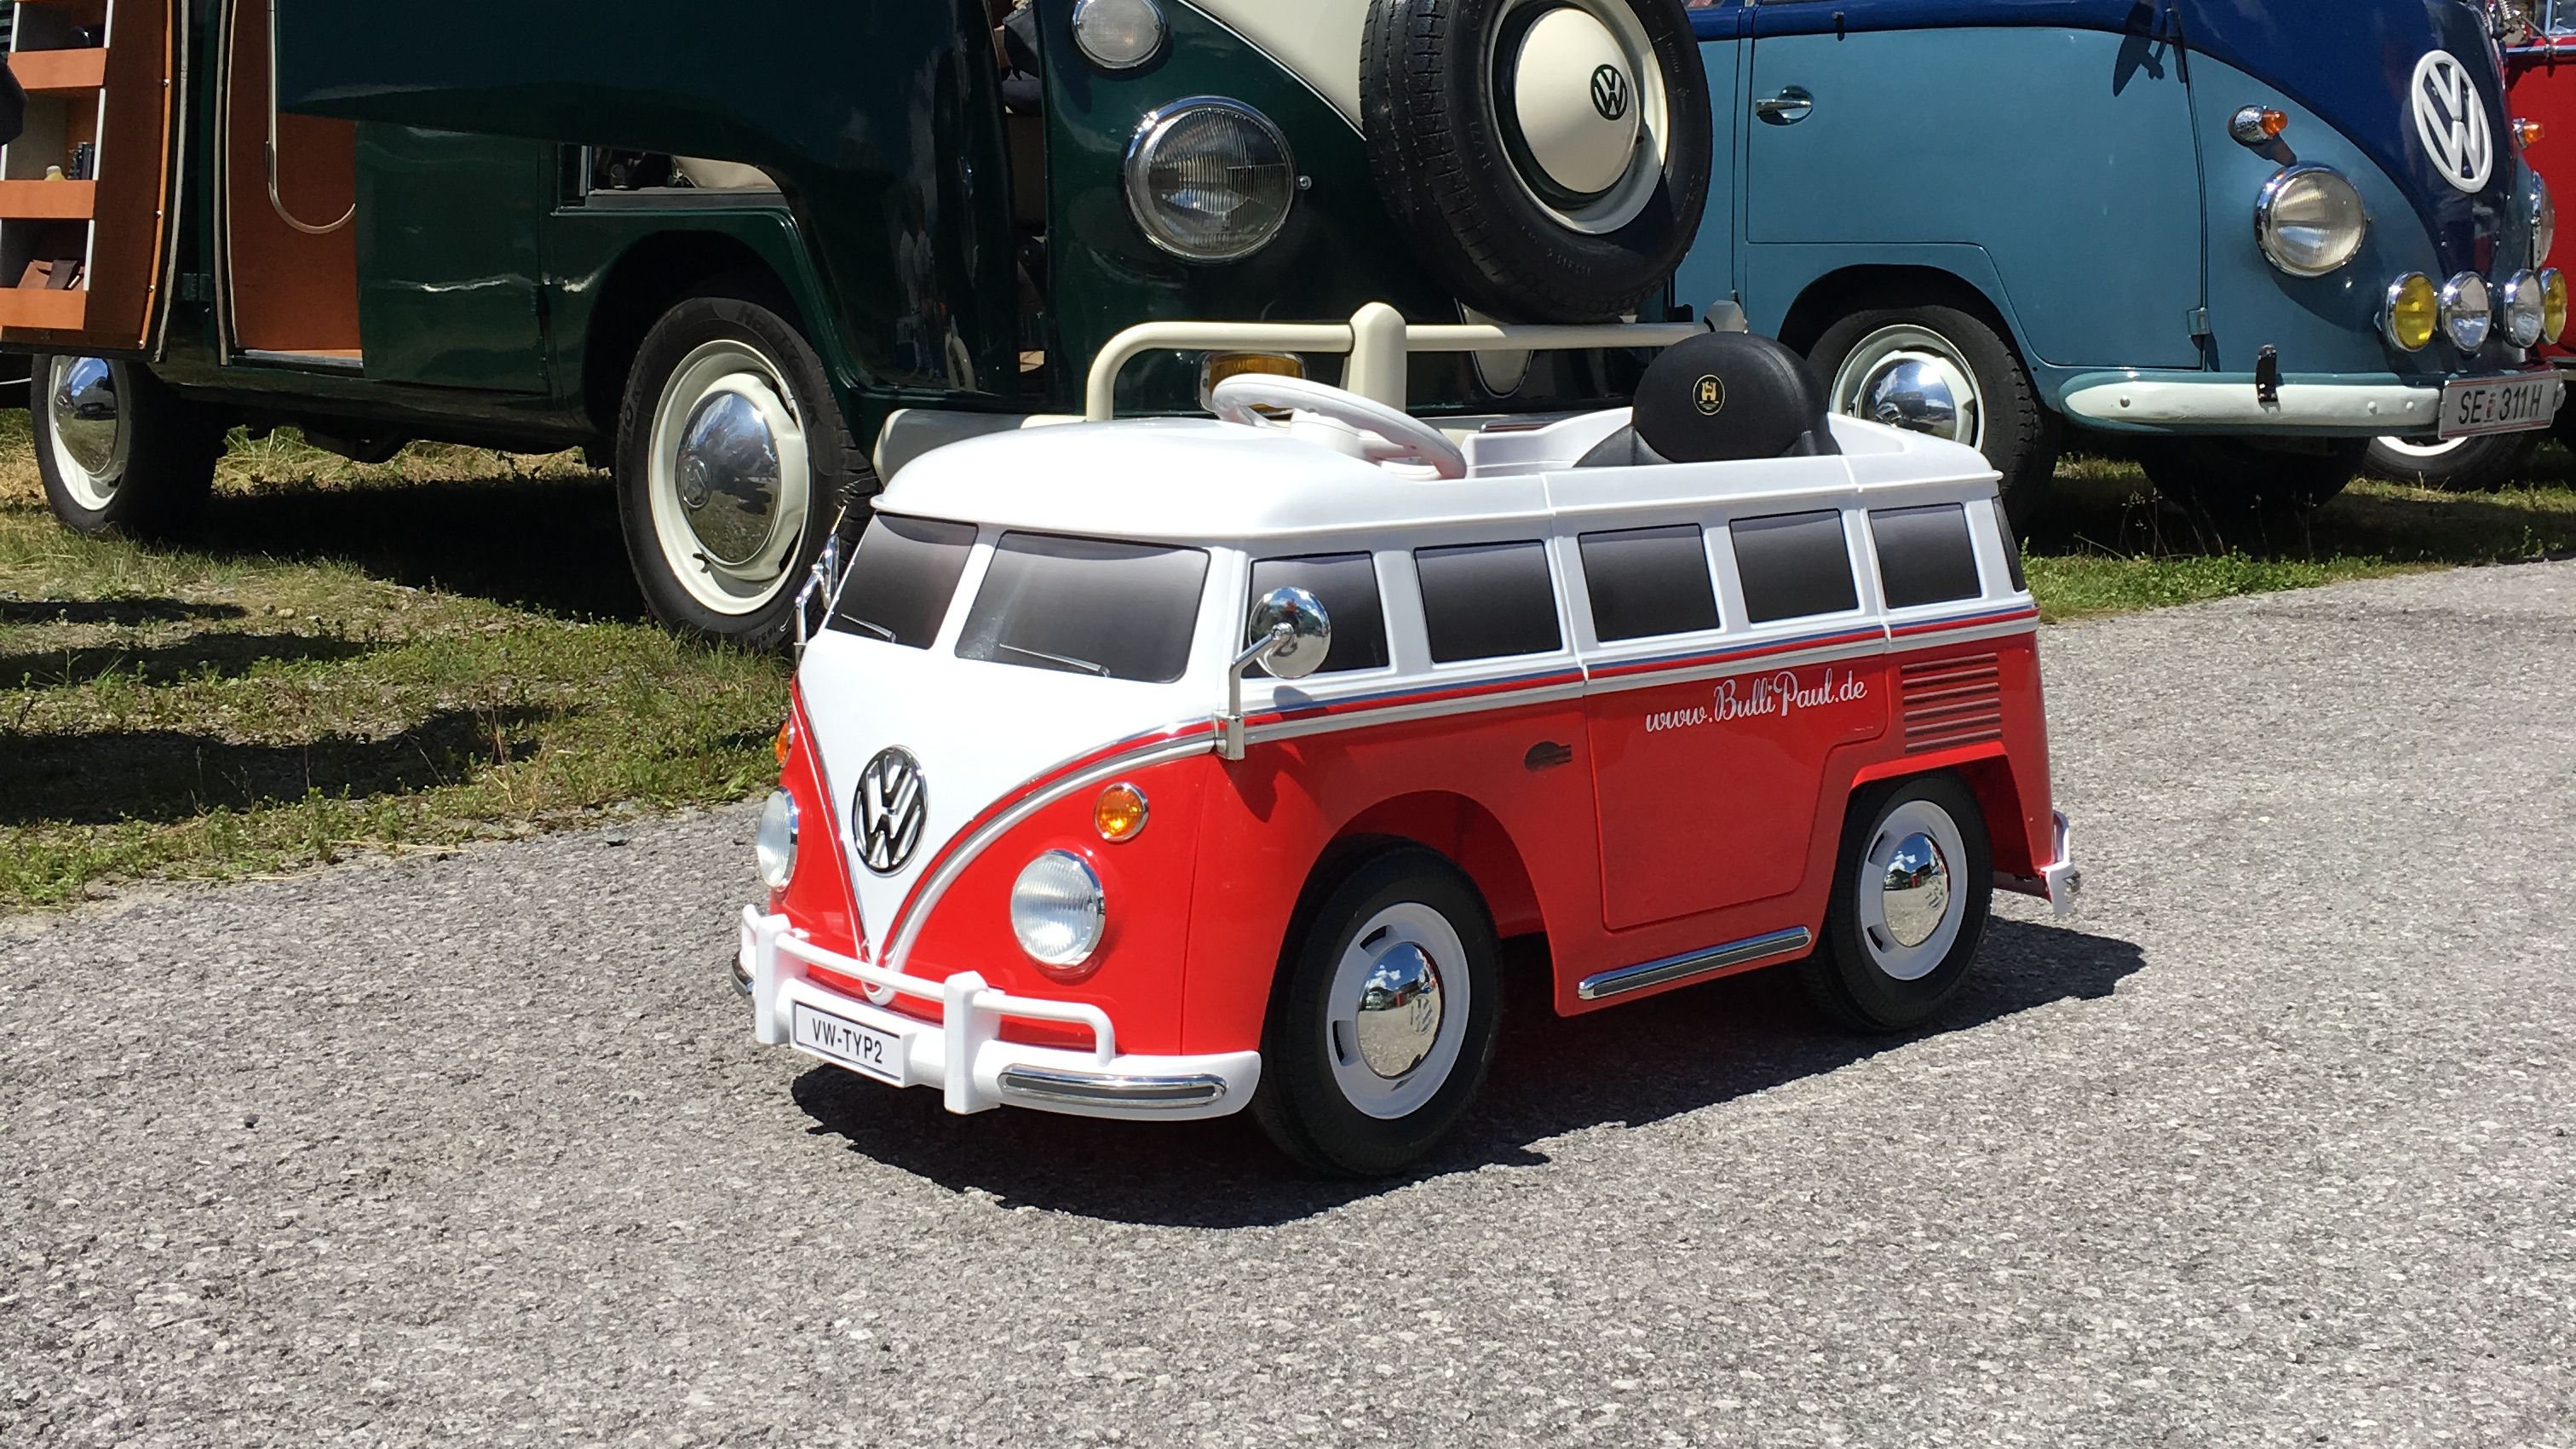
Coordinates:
1385 1020
118 451
1909 907
1951 373
733 461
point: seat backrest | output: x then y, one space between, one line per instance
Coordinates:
1719 398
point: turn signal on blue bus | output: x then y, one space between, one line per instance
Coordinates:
2258 126
2414 312
2527 132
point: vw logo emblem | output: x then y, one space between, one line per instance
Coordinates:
891 807
2451 117
1610 92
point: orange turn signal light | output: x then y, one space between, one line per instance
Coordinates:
2527 132
1119 813
2258 125
786 740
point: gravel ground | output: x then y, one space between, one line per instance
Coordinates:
2271 1147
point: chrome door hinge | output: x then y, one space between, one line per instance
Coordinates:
2198 317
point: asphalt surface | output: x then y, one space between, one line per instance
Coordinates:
2271 1146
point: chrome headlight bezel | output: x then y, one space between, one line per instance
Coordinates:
773 844
1059 911
1154 212
2522 310
2544 221
2468 311
2276 225
2398 293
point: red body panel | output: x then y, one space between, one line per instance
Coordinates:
2540 85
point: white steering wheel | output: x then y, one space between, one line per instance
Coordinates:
1386 435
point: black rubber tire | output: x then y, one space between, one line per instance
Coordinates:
1450 182
1298 1103
171 451
2224 480
1841 978
2474 465
2023 439
752 312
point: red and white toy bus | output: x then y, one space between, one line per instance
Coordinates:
1162 769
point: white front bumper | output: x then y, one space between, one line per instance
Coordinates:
963 1054
2059 883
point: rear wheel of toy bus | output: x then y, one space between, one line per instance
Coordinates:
1949 372
1911 896
733 460
1384 1020
2460 465
120 452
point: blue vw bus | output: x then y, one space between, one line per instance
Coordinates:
2252 233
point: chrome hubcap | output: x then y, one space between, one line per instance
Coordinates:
88 427
729 478
1913 378
1399 1015
1914 894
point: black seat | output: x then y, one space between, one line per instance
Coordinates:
1721 398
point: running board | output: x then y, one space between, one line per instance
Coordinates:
1695 963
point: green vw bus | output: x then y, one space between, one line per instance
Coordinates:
721 247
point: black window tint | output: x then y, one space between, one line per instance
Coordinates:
1649 581
1925 555
2012 548
1793 565
1346 585
1487 600
902 579
1087 606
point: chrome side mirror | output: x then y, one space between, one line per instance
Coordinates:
822 587
1291 634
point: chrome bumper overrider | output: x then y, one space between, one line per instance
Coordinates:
2059 883
963 1054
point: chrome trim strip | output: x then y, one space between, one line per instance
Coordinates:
1091 1087
1693 963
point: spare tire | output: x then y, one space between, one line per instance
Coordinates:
1549 157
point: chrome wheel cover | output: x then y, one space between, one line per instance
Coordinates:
87 421
728 476
1396 1016
1908 897
1628 197
1908 376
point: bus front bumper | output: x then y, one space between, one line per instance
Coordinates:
962 1053
2231 404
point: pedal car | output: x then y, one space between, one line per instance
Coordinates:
1165 768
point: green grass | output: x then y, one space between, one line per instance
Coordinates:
448 647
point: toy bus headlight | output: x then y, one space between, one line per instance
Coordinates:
775 842
1210 180
1058 910
2544 221
2524 315
2414 312
2553 305
2310 220
2468 311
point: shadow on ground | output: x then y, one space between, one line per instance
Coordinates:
220 656
1685 1051
112 611
169 775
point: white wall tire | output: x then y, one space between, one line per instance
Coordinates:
1948 371
733 462
2459 465
1913 887
117 450
1384 1019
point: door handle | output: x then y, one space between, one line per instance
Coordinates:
1547 755
1787 108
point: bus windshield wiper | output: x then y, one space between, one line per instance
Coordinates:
872 626
1084 666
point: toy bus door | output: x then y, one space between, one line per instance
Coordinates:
84 187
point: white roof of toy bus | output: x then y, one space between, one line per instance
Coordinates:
1203 481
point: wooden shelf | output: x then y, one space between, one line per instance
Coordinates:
48 200
42 309
60 72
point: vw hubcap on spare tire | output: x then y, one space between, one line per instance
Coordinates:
1582 109
88 426
728 477
1913 378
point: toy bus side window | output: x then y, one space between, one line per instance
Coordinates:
1794 566
1487 601
1346 585
1925 555
1648 582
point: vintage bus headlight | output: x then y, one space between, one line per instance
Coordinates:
2414 312
2310 220
1210 180
2544 221
1058 910
2522 311
2553 305
1118 34
2468 311
775 841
